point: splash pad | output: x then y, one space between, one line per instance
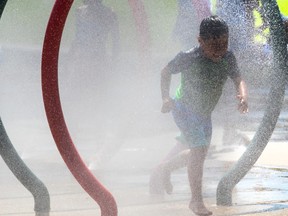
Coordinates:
155 210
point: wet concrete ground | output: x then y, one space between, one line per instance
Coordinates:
263 191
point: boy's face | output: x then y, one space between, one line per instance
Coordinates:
214 48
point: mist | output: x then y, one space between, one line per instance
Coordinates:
111 108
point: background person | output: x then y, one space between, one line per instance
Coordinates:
92 74
96 46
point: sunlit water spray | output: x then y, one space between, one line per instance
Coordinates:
116 118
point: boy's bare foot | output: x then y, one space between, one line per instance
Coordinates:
167 182
160 182
199 209
155 183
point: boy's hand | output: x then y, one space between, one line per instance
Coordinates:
243 105
167 105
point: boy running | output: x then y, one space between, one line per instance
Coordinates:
204 71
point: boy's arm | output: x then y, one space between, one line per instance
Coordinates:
241 94
167 102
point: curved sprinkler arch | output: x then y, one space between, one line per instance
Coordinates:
2 6
20 170
24 174
275 100
54 112
142 26
202 8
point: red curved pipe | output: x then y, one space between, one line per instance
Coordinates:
202 8
54 112
142 26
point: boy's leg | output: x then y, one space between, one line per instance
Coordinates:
195 173
179 147
178 161
160 178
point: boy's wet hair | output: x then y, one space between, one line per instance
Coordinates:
213 27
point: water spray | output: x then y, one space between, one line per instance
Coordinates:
275 100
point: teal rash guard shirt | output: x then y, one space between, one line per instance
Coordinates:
202 80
